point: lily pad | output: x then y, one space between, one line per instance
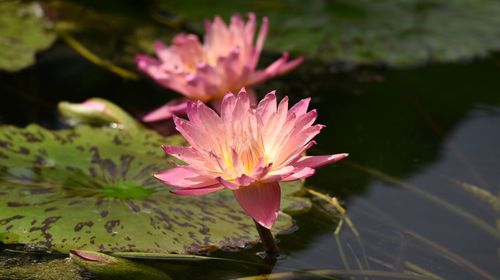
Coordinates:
23 32
91 189
398 33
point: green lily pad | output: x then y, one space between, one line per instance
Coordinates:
92 189
23 32
398 33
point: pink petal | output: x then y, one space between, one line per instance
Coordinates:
260 170
318 161
301 107
205 118
227 107
197 191
187 154
242 103
196 136
261 38
183 177
261 202
301 173
266 107
290 65
301 138
227 184
278 174
245 180
280 66
286 157
174 107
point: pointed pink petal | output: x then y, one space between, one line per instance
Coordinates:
261 38
242 106
266 107
301 173
278 174
197 136
261 202
227 107
318 161
187 154
301 138
286 157
290 65
198 191
300 107
305 120
183 177
174 107
280 66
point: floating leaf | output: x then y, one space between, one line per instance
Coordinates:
368 32
23 32
91 189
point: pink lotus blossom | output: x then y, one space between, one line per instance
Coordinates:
225 62
246 150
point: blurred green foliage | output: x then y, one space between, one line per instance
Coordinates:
395 33
23 32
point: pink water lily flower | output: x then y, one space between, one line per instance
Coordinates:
247 150
226 61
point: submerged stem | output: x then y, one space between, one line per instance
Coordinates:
270 247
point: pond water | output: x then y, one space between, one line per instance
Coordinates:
421 185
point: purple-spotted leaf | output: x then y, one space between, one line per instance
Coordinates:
92 189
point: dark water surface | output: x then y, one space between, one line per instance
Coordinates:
424 151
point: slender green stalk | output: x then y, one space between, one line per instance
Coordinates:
90 56
270 247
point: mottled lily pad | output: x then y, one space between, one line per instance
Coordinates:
400 33
23 32
91 189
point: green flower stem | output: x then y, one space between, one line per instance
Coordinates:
270 247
